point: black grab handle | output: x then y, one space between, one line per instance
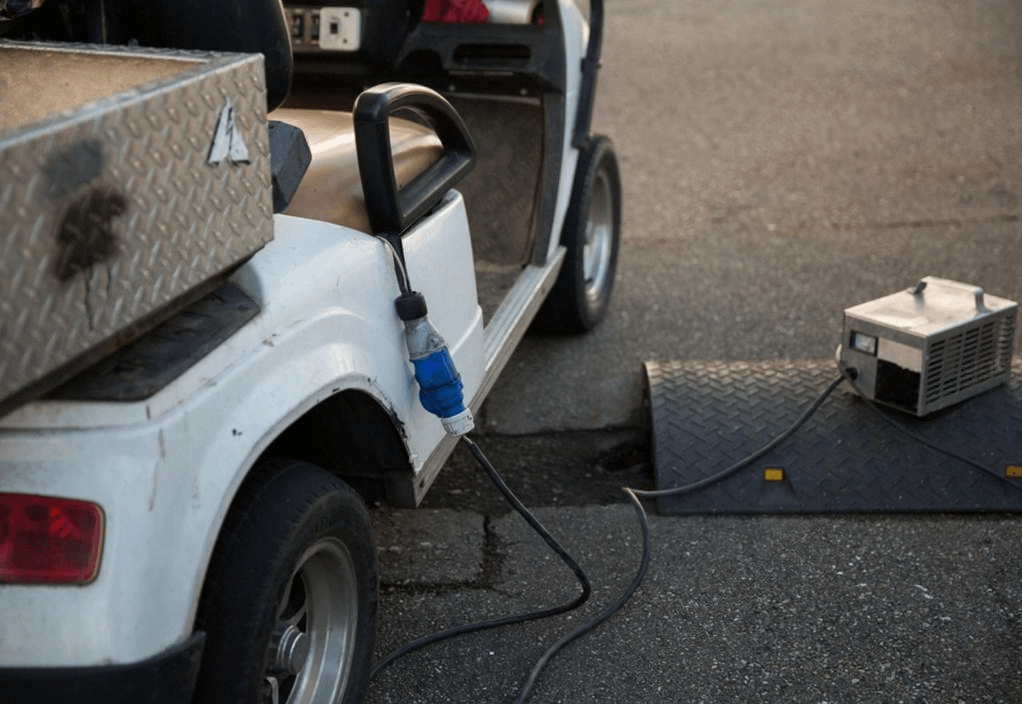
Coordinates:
391 211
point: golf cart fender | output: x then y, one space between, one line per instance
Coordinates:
165 470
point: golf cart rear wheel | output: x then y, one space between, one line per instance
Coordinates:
591 236
289 604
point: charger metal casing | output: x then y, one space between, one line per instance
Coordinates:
930 346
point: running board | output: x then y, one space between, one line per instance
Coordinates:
512 319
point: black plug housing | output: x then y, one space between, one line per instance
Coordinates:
411 306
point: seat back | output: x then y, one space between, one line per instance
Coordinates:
331 189
251 26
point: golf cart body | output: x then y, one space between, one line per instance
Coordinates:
168 431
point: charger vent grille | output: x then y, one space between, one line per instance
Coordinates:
960 362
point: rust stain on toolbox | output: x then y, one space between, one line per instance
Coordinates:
130 181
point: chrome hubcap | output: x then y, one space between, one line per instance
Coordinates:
310 653
292 650
599 238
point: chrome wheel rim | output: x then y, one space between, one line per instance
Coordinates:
312 646
599 238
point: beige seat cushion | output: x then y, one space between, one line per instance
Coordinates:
331 189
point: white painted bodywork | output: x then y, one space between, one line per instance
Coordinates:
165 470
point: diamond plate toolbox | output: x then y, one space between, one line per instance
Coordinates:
129 180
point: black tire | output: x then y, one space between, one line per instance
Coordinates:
591 235
295 555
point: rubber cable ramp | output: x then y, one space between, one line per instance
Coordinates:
705 416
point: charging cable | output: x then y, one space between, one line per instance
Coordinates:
440 387
852 375
746 461
568 560
441 393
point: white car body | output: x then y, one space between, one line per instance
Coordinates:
165 470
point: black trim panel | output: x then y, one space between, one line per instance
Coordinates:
165 678
141 369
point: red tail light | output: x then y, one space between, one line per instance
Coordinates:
45 540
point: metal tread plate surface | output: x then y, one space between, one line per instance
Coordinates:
706 416
115 204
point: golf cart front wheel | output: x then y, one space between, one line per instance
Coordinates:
591 236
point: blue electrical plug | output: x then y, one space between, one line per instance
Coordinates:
440 387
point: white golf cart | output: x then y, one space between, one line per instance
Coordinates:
204 374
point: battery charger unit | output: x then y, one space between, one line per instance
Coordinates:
929 347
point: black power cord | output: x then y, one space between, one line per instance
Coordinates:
723 474
852 375
635 496
583 580
526 689
508 620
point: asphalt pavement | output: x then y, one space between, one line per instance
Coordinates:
781 160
